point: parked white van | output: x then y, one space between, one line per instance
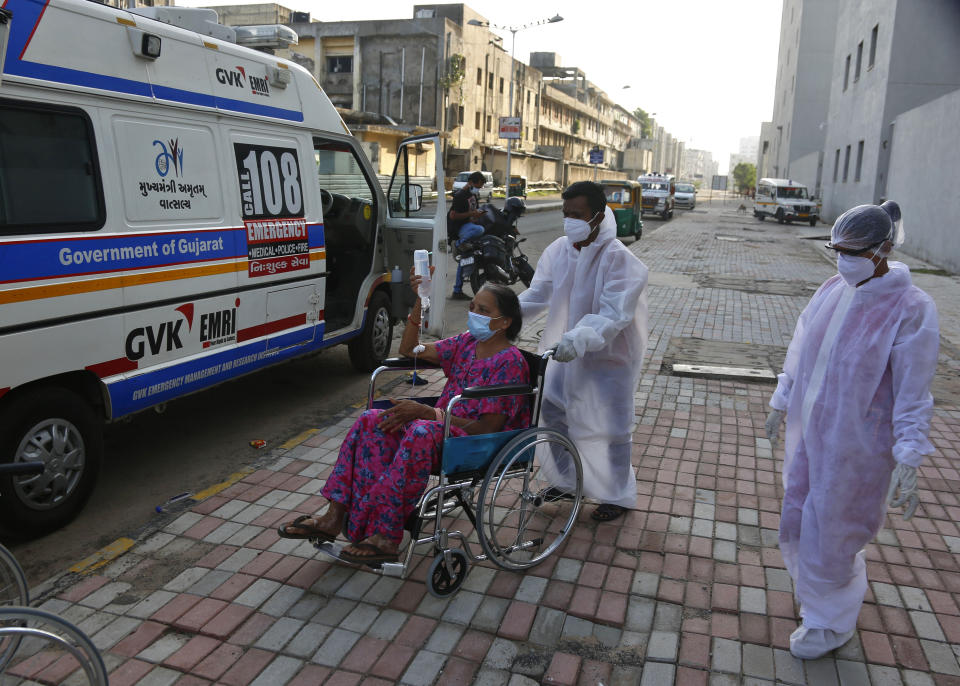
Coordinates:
786 200
175 211
485 192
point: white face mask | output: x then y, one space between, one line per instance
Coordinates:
855 269
577 230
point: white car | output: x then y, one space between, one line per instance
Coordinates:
485 192
686 196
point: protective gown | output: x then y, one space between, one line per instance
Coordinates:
855 386
598 294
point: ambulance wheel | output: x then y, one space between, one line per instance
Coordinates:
372 346
443 581
759 216
57 427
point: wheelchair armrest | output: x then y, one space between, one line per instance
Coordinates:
496 390
408 363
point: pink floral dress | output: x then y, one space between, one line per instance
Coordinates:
379 476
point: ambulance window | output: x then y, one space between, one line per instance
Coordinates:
49 176
413 187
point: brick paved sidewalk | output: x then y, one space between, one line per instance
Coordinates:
689 588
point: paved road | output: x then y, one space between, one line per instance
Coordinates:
688 588
202 439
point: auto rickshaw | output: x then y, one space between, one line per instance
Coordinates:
625 198
518 186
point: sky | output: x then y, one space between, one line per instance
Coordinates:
707 68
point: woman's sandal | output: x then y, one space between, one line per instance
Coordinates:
312 532
378 556
607 512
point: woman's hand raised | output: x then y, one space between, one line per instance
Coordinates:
402 413
415 280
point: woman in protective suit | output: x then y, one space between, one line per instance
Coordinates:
855 389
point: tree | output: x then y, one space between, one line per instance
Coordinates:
646 128
745 176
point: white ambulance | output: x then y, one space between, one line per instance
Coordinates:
786 201
176 210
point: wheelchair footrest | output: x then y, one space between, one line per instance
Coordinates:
332 549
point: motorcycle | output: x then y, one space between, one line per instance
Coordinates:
496 255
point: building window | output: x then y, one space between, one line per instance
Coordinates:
490 80
476 125
460 116
501 84
846 74
526 133
536 100
846 164
836 164
479 76
340 64
528 97
856 73
873 46
856 174
489 127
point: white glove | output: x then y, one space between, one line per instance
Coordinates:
773 426
904 480
565 350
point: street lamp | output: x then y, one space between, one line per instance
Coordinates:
513 42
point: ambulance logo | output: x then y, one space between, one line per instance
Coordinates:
215 328
238 78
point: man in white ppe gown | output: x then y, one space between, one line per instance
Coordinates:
855 388
595 289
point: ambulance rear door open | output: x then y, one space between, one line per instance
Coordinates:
417 218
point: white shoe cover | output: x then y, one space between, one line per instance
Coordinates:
809 644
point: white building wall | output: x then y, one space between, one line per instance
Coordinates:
802 97
924 168
804 170
917 60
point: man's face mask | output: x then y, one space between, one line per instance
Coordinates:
577 230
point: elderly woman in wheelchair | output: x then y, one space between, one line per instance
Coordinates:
386 459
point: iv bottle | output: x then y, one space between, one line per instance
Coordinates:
421 267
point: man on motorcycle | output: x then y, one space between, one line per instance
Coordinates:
595 289
460 223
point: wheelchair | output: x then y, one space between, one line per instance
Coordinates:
521 490
24 630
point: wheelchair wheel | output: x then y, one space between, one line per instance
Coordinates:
443 581
13 592
529 499
61 638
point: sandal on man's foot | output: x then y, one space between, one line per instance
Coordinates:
376 557
308 530
607 512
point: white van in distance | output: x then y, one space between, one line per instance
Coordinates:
176 210
786 200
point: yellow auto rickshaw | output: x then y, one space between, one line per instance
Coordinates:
518 186
625 198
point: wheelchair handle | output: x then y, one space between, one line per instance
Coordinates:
22 468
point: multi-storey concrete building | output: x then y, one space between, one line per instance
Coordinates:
445 70
764 159
802 96
891 56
